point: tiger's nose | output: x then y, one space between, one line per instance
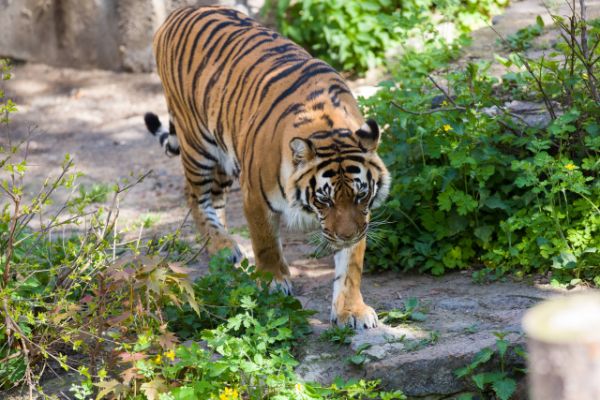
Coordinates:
345 236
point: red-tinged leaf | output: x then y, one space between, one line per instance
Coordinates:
112 387
167 340
125 275
130 374
178 269
86 299
132 357
153 388
119 318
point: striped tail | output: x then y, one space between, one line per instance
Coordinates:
168 139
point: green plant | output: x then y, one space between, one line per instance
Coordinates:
356 35
521 40
71 284
500 382
359 357
410 312
245 349
340 335
96 193
7 106
474 183
241 230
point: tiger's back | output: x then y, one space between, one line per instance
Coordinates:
230 81
247 103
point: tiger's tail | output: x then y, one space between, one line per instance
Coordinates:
168 139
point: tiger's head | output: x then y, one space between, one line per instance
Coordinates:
338 178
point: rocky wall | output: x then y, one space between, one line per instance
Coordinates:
105 34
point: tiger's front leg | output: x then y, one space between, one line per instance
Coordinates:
263 225
348 307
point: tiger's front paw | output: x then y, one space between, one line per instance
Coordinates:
359 317
281 285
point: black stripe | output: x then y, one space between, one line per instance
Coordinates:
308 73
264 195
281 186
303 121
314 94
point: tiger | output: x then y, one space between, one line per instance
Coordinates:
247 104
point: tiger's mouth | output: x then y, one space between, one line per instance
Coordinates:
337 243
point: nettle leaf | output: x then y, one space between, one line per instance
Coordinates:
481 357
504 388
502 346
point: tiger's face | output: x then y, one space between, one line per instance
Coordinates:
338 178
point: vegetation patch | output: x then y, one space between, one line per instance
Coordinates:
355 35
120 313
474 183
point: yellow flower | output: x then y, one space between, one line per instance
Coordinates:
157 359
229 394
446 128
570 166
298 388
170 355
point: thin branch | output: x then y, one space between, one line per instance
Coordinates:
11 238
432 111
450 99
545 97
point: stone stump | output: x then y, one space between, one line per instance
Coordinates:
564 348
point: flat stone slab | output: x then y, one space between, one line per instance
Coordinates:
418 357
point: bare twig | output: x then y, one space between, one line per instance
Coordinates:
585 53
11 238
545 97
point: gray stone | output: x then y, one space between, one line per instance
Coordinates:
525 112
106 34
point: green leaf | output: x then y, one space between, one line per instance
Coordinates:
502 346
504 388
484 233
482 356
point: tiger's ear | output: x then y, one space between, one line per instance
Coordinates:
302 151
368 135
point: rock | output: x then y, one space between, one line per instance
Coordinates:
107 34
532 114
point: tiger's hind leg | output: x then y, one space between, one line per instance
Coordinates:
220 188
208 219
